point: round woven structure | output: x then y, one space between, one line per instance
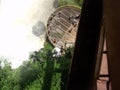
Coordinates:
62 26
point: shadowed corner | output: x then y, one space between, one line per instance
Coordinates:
38 29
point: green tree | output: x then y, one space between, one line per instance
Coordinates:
40 72
5 72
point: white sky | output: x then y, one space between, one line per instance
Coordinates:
16 20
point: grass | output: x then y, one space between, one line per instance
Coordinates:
72 2
67 2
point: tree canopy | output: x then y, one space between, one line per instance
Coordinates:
40 72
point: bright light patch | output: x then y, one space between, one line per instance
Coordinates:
16 20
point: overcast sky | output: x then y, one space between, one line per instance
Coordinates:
16 21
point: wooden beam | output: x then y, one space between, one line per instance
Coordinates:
81 76
112 27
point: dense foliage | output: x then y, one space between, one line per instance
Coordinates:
40 72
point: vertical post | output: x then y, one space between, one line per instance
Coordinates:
112 27
81 76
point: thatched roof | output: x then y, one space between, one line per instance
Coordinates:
62 26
